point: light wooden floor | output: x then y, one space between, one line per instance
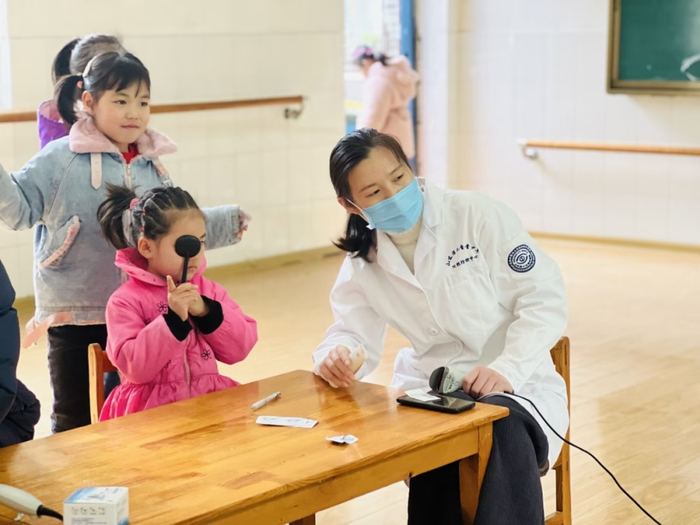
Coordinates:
635 341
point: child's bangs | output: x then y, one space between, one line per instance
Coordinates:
126 73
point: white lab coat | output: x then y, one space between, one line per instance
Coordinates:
483 293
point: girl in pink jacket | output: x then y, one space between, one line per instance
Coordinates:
165 337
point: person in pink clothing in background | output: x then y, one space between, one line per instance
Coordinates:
390 86
165 337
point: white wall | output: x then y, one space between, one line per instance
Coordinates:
437 53
5 64
200 51
536 69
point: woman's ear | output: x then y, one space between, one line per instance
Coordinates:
350 208
146 247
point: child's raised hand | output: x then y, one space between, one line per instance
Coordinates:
198 307
187 300
181 297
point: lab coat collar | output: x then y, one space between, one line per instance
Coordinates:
388 256
432 203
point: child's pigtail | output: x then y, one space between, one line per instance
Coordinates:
116 218
68 91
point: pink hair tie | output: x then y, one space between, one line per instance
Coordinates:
133 203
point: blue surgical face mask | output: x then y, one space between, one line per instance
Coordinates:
396 214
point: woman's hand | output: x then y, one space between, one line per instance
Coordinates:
482 380
335 368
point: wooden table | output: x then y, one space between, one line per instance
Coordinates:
205 460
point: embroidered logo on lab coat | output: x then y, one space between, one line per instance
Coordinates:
463 254
522 259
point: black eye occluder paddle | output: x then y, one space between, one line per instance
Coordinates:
187 246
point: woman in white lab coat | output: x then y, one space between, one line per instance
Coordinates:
456 273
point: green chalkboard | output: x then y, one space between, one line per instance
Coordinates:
654 46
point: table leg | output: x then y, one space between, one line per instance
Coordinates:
308 520
471 474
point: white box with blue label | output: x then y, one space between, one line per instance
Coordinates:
97 506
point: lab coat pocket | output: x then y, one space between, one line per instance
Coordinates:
463 293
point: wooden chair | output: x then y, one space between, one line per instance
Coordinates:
99 364
562 468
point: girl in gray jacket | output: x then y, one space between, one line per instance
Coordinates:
59 191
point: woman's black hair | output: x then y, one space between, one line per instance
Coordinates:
347 154
61 63
151 217
90 46
112 70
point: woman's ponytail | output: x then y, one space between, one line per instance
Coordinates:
358 239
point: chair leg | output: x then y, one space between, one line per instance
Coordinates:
563 474
97 387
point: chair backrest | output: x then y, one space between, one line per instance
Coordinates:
98 364
562 515
560 356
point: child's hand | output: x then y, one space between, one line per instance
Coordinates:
243 220
482 380
181 297
198 307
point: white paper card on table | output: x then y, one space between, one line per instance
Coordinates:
295 422
414 391
425 397
421 394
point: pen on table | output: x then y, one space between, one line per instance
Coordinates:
263 402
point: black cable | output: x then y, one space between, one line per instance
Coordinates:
595 458
45 511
